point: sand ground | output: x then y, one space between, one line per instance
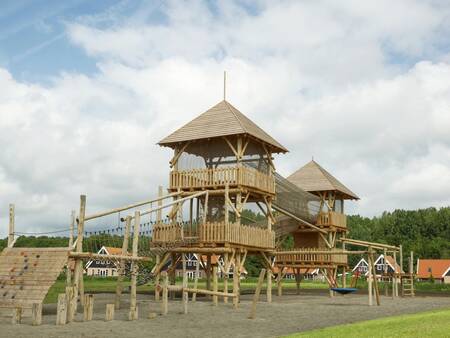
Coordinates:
288 314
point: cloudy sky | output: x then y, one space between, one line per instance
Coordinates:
87 89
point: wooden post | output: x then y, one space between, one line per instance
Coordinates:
71 300
256 295
394 278
81 284
36 314
227 207
225 275
344 270
160 203
197 272
269 286
171 271
297 279
236 276
279 281
185 294
79 263
165 293
120 277
215 285
11 227
72 225
88 311
375 280
61 309
401 258
157 278
411 272
369 281
133 315
17 315
208 273
109 315
385 272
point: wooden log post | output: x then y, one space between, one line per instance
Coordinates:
71 303
394 278
109 315
256 295
157 278
122 264
226 269
133 314
171 271
385 269
236 276
78 278
197 273
165 293
12 222
208 273
269 286
185 295
369 281
17 315
375 279
279 281
61 309
297 280
215 285
36 314
88 310
71 228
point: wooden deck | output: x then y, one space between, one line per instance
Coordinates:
306 257
215 233
196 179
332 219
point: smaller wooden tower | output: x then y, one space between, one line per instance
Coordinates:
331 223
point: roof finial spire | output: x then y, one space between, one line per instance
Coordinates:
312 158
224 85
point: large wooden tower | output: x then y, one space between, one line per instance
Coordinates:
222 161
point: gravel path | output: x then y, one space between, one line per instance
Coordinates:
289 314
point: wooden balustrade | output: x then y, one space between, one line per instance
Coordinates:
332 218
218 232
307 255
219 177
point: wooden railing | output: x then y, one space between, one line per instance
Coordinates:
218 232
215 178
332 218
308 256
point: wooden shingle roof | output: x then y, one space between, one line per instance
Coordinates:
221 120
313 178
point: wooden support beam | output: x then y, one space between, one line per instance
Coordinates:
71 299
236 276
120 278
61 309
11 227
279 281
88 310
165 294
173 162
78 280
269 286
17 315
197 273
36 314
366 244
133 314
109 315
215 286
375 279
256 295
185 295
71 228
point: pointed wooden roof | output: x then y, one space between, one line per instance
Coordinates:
221 120
312 177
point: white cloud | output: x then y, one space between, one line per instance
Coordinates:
327 80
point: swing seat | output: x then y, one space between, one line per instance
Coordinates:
344 291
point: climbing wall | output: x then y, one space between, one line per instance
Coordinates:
26 274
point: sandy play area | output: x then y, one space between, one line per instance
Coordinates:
291 313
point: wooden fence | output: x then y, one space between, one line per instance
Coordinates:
213 178
332 218
307 255
218 232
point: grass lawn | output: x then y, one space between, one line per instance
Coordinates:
425 324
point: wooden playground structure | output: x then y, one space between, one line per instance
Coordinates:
222 164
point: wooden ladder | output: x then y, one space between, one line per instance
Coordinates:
407 286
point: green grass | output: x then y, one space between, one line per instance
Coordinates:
425 324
